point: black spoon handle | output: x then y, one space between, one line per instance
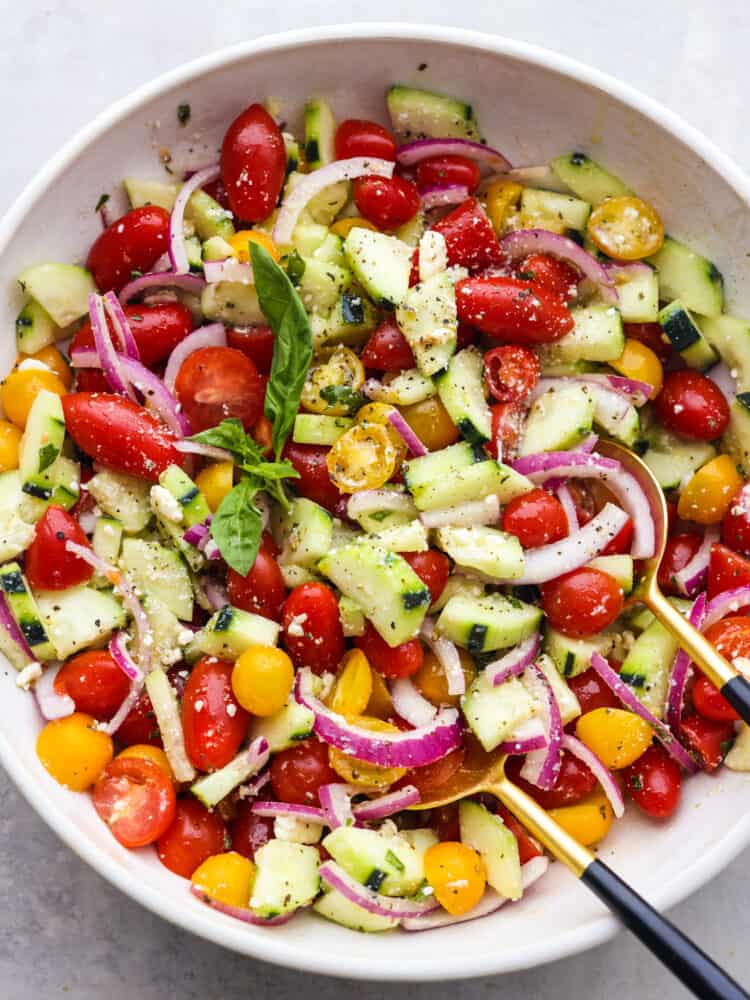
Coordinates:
737 693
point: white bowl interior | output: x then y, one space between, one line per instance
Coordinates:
532 106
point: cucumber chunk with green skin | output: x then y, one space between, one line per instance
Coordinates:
686 275
35 328
487 550
495 844
334 906
26 612
320 131
172 534
553 211
215 248
444 462
685 336
286 878
123 497
647 667
61 289
321 284
382 582
736 440
573 656
208 216
159 571
428 319
378 520
412 231
639 295
484 624
385 863
558 420
106 542
210 789
194 505
494 713
566 700
144 192
307 534
352 617
596 336
420 114
79 617
231 631
730 336
461 391
232 302
351 321
587 179
291 724
59 485
473 483
319 428
43 438
411 537
673 460
619 567
381 264
308 237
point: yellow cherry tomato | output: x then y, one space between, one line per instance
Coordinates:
353 689
456 875
239 243
20 389
709 492
156 755
343 227
262 679
74 751
380 705
215 481
377 413
502 198
10 439
431 423
588 820
361 772
626 228
616 736
432 682
363 458
639 362
226 877
51 357
337 371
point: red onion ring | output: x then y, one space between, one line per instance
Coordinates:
730 601
513 662
721 376
542 767
602 774
692 577
373 902
119 650
423 149
410 704
568 505
9 623
336 800
681 670
212 335
177 250
523 242
205 450
289 810
530 735
387 805
51 703
486 511
442 195
229 269
192 283
239 912
446 653
106 356
410 439
121 326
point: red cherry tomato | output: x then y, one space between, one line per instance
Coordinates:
551 273
262 591
470 238
650 334
432 568
309 460
444 821
213 721
707 738
573 784
432 777
49 565
735 528
512 310
298 773
535 518
136 799
731 637
94 682
465 336
386 202
214 383
622 541
726 570
194 835
592 692
583 602
91 380
527 847
679 550
387 349
692 405
313 610
507 424
120 434
584 503
357 137
654 782
132 243
256 343
709 702
390 661
249 831
511 372
253 164
218 192
140 725
440 171
157 330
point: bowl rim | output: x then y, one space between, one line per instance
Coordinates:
266 945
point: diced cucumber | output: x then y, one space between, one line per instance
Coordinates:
123 497
736 440
169 634
384 584
419 114
486 550
411 537
351 321
172 534
307 237
411 232
159 571
292 724
381 264
730 336
143 192
334 906
210 789
609 417
79 617
686 275
61 289
379 518
647 666
619 567
639 295
352 617
43 438
457 583
673 460
496 845
573 656
323 207
320 129
566 701
322 284
639 618
473 483
215 248
194 251
26 612
385 863
597 336
685 336
405 389
194 506
231 631
553 211
461 391
427 317
308 534
13 652
587 179
293 152
106 543
35 328
208 216
232 302
488 623
493 713
286 878
319 428
59 484
444 463
558 420
331 251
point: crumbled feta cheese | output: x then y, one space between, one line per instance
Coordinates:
231 710
30 673
296 831
295 625
184 636
433 254
164 504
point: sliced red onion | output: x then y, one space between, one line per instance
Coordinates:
544 463
387 805
240 912
513 662
128 345
422 149
106 355
587 445
486 511
229 269
414 748
51 704
539 176
205 450
118 647
692 577
721 375
87 520
371 501
213 335
211 550
373 902
125 708
621 690
530 735
446 653
410 439
542 767
336 800
730 602
9 623
319 180
410 704
289 810
681 670
638 392
215 594
602 774
568 505
251 788
191 283
442 195
197 533
523 242
177 249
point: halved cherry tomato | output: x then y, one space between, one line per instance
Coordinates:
157 330
592 692
313 636
253 164
583 602
364 457
390 661
309 460
94 682
120 434
298 773
527 847
709 739
726 570
249 831
432 568
692 405
136 800
133 242
512 310
387 349
49 565
256 343
511 372
431 422
535 518
574 782
650 334
194 835
709 702
262 591
654 782
358 137
428 780
91 380
469 237
735 528
507 424
546 271
621 543
678 552
449 169
386 202
584 503
626 228
731 637
215 383
213 721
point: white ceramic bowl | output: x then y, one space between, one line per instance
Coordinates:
533 105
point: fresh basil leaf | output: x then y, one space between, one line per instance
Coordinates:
292 349
230 435
237 527
345 395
